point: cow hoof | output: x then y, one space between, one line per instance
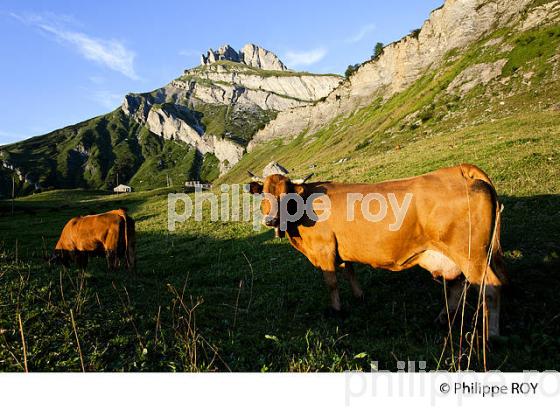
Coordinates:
332 313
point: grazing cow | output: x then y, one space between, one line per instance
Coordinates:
451 228
111 234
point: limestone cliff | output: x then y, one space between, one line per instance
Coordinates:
456 24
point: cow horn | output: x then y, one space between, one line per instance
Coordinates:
302 180
254 177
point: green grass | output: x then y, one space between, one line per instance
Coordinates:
209 170
172 162
259 303
536 47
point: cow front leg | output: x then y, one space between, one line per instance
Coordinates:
350 275
454 291
330 280
112 260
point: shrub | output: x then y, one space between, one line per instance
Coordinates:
377 51
352 68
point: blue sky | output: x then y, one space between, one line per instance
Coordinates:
66 61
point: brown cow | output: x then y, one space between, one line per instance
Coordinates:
111 234
451 228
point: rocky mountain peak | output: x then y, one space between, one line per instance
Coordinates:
251 55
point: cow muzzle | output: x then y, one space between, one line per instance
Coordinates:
271 221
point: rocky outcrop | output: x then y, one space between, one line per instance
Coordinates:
225 52
456 24
227 151
171 126
255 56
544 14
475 75
250 54
274 168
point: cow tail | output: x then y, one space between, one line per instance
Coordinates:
126 240
473 173
122 213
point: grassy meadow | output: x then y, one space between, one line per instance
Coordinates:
220 296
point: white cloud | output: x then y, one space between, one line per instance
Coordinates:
110 53
304 58
364 31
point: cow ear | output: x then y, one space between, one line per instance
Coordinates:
255 188
299 189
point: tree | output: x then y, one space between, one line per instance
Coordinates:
377 51
351 70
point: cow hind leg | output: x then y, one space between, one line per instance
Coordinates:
130 260
131 254
484 276
492 310
441 265
350 275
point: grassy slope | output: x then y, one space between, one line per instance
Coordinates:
261 301
116 145
491 126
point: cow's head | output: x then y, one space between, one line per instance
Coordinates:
58 257
275 187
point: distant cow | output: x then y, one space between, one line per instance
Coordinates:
111 234
451 227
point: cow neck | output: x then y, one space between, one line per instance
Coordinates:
292 230
293 234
